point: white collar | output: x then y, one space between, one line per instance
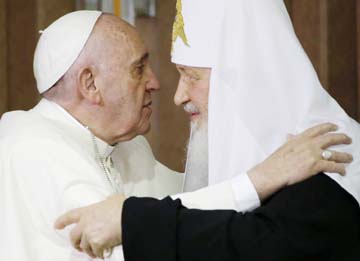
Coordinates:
54 111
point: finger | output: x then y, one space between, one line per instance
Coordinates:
85 246
331 167
75 237
320 129
98 251
326 141
340 157
68 218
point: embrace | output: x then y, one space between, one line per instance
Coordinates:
273 163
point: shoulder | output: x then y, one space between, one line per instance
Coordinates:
317 214
29 141
26 125
319 192
31 132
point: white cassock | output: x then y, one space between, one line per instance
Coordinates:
48 166
50 163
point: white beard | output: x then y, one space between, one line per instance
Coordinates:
197 166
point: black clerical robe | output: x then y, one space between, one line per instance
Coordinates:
312 220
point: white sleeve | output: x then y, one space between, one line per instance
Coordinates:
50 179
238 194
246 197
217 196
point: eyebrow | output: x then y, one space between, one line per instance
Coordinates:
141 60
187 70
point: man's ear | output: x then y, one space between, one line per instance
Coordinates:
87 86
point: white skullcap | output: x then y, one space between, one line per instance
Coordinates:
59 46
196 32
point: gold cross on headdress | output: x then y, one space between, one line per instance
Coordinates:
178 28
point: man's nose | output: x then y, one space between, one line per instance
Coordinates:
181 95
153 83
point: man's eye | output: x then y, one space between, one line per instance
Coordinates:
140 69
192 77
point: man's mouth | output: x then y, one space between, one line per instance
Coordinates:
192 110
193 114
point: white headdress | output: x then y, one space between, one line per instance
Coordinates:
194 42
59 46
262 88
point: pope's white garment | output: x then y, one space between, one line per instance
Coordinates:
48 166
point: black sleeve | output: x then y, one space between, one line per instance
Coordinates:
313 220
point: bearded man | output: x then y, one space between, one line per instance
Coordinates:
316 219
82 143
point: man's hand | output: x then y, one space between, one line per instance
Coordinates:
299 159
98 226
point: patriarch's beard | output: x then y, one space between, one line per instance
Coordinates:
197 166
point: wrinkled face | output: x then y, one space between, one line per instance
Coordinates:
127 82
193 92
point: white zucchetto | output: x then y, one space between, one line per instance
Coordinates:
60 45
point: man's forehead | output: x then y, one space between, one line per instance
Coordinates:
131 47
142 57
137 48
120 33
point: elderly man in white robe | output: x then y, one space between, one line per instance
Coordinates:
93 235
82 142
62 153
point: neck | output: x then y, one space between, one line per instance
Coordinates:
90 118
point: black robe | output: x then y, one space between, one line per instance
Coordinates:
312 220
